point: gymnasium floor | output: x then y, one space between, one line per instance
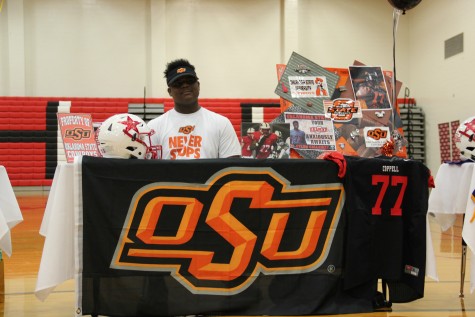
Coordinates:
441 298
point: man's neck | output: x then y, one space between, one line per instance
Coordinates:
187 109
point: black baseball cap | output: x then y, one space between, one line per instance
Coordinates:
181 71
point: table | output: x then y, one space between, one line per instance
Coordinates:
57 226
263 263
10 216
454 194
10 213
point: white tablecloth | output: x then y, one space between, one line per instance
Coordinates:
10 213
452 195
57 261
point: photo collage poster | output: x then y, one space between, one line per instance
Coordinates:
359 108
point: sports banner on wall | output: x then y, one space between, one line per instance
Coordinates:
226 237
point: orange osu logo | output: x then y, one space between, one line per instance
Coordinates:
377 134
253 221
181 70
78 134
186 130
342 109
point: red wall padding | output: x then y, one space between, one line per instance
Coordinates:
29 130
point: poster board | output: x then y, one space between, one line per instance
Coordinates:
77 134
359 129
306 84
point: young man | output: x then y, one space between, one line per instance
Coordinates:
247 141
297 136
189 131
282 148
264 141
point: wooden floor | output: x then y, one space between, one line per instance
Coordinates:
441 298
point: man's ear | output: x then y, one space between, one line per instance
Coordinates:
169 91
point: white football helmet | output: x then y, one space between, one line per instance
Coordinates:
250 130
465 139
126 136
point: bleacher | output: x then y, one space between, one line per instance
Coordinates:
30 142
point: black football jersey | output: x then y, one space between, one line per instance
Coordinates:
386 207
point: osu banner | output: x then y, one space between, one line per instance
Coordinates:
212 237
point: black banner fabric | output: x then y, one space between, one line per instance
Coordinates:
213 237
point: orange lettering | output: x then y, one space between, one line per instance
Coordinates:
148 224
177 141
195 140
248 250
189 151
174 153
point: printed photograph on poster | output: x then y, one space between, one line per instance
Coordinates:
308 86
265 140
369 87
376 137
78 136
310 131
